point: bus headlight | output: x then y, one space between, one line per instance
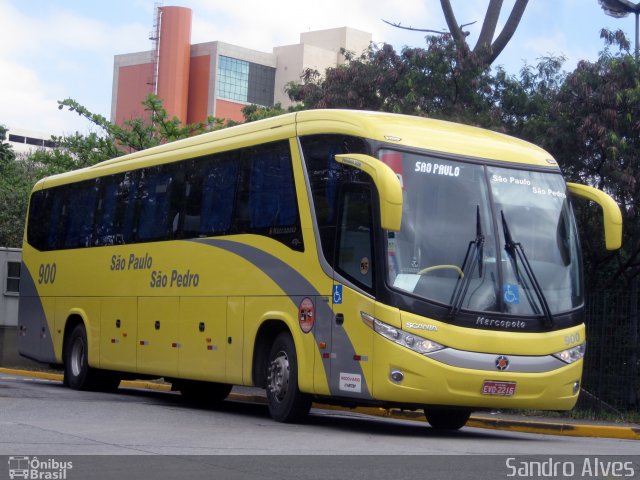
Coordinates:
409 340
573 354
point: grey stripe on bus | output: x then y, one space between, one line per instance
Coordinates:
296 286
34 337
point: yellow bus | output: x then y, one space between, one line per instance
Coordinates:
345 257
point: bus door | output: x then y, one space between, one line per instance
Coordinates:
351 339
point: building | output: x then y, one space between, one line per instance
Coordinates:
217 78
25 141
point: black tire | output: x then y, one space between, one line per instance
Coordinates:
77 374
203 393
444 419
285 400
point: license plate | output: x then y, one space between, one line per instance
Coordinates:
502 389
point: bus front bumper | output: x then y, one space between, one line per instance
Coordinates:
468 379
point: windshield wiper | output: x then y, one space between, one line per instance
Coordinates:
516 251
471 258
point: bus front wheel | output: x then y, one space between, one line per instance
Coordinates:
285 401
77 373
443 419
76 363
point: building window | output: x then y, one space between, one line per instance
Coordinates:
262 80
13 278
245 81
233 79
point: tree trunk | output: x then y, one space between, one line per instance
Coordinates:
486 48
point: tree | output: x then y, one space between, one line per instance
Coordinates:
137 133
487 49
438 81
522 104
16 179
6 151
253 112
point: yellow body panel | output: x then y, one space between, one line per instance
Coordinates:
203 338
119 333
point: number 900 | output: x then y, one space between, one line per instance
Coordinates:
47 273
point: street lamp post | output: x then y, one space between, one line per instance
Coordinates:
620 9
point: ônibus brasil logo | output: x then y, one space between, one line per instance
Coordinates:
37 469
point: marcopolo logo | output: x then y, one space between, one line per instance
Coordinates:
38 469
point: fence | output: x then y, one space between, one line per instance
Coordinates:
611 367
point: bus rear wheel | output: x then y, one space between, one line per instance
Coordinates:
285 400
444 419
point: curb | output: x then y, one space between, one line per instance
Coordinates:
476 421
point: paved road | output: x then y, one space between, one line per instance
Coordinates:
43 417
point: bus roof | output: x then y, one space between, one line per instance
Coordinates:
400 130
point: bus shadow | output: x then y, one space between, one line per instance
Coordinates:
343 421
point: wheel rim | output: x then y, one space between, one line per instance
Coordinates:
279 376
77 357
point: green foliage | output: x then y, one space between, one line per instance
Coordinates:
16 178
252 112
440 81
136 134
6 152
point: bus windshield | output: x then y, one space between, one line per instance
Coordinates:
483 238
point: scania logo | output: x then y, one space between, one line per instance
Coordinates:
502 363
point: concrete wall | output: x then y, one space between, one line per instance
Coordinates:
317 50
8 300
293 60
334 39
9 356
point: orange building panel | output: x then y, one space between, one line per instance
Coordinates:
229 110
198 89
133 88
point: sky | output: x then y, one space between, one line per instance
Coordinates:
56 49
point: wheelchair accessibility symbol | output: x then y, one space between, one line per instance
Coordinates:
337 294
510 293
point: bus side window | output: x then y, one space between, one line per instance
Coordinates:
38 226
78 214
126 199
157 211
106 215
272 201
267 203
219 182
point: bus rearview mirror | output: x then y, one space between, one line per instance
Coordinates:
387 183
612 218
